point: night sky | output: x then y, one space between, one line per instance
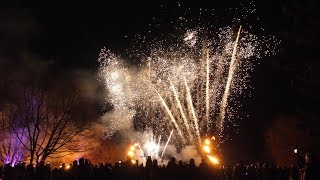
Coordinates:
71 34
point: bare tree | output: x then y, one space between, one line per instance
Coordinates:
43 122
11 149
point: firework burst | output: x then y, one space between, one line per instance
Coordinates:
187 87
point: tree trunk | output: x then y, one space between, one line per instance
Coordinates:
31 157
44 157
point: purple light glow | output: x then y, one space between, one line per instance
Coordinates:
12 151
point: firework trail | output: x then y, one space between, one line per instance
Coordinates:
226 93
170 115
165 147
207 91
192 110
176 95
158 146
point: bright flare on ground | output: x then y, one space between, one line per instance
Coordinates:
213 159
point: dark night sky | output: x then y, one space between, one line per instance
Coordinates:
72 33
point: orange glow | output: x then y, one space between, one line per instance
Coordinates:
214 160
207 142
130 153
206 149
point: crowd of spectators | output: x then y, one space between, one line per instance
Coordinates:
84 170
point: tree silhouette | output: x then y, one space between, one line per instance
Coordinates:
42 122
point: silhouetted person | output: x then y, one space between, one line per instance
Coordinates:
20 171
172 168
137 171
7 172
83 172
203 164
149 162
101 172
148 168
43 172
203 169
56 174
191 169
73 170
155 170
172 163
30 172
